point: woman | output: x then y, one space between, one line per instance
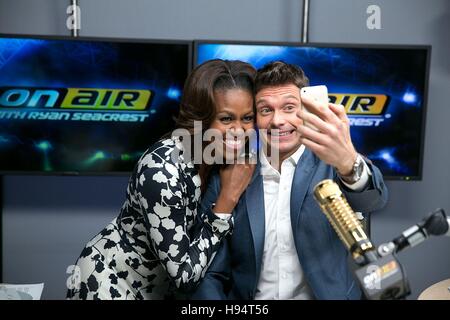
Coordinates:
161 244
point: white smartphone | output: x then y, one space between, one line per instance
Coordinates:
317 93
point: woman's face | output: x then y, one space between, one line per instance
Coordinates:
234 116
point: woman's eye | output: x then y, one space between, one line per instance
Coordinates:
225 119
248 118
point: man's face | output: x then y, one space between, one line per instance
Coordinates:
276 112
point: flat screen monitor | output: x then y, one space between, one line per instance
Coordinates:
383 89
88 105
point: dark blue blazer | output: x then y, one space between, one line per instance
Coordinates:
235 270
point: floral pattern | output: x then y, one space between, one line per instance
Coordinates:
160 245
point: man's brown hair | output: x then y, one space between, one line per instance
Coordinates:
277 73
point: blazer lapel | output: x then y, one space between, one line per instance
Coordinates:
303 175
254 197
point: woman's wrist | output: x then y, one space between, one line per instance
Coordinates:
225 203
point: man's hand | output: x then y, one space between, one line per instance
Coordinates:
332 142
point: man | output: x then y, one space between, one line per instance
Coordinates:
282 246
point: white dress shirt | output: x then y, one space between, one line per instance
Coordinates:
281 274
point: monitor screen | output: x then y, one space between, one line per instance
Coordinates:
383 89
86 106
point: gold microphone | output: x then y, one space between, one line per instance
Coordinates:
344 221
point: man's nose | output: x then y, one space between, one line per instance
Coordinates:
277 119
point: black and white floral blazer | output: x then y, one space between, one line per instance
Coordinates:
161 243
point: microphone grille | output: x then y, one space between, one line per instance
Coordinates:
326 190
341 216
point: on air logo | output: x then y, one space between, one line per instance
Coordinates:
361 104
75 98
363 109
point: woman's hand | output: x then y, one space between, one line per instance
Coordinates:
234 179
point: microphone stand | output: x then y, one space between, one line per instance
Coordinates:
385 278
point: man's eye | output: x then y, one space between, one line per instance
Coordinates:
264 110
290 107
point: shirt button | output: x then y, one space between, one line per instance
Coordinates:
284 276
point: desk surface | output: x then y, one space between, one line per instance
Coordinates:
438 291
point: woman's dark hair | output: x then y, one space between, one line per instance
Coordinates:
198 103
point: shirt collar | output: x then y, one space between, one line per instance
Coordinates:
266 168
295 157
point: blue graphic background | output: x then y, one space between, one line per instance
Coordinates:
88 146
395 145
